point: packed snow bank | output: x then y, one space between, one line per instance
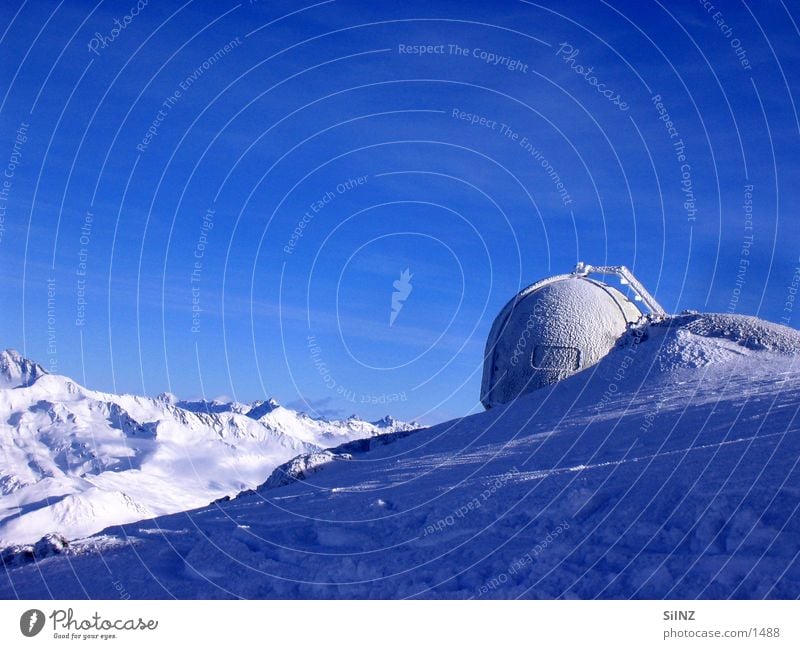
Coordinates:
693 340
300 467
73 461
661 349
670 469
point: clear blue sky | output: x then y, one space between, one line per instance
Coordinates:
429 136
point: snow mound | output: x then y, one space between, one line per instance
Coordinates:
694 340
48 546
747 331
301 467
52 545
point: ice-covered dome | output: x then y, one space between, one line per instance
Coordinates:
554 328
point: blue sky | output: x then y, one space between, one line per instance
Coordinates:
200 136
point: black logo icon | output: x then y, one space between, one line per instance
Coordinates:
31 622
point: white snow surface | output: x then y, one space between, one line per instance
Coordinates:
668 470
74 461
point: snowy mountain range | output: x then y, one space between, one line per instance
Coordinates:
669 470
74 461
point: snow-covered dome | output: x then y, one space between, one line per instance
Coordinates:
551 330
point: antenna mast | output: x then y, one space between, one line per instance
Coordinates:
626 277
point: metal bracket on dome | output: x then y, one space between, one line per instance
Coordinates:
626 277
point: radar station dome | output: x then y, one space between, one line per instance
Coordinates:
555 328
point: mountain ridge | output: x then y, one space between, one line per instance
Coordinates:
72 456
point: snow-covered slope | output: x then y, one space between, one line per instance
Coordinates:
73 461
670 469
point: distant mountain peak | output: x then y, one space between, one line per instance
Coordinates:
16 371
260 408
391 423
214 406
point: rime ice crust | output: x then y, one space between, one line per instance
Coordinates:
695 340
550 331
